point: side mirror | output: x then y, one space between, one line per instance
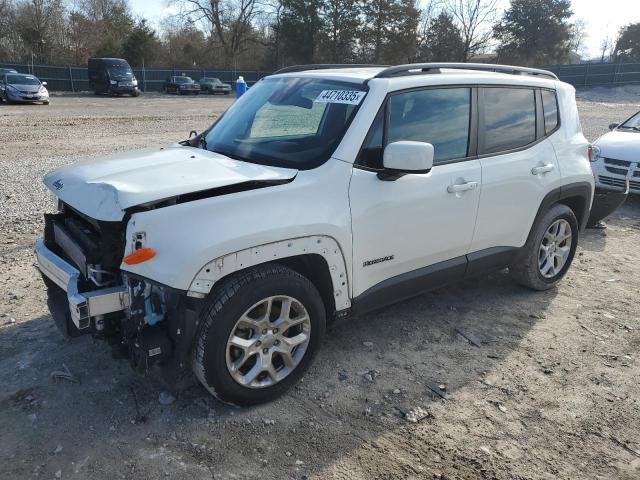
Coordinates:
404 157
613 126
44 84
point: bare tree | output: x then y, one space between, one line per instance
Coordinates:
579 34
474 19
40 25
606 47
427 13
229 21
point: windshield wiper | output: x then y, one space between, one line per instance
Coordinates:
637 129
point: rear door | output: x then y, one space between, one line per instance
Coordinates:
402 226
519 165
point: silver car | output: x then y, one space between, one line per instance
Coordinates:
21 88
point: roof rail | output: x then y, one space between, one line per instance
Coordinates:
324 66
422 68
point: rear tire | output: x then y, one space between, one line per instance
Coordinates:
244 310
549 250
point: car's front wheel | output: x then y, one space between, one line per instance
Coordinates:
258 334
549 250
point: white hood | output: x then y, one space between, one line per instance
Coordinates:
621 145
103 188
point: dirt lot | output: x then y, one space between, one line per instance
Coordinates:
552 390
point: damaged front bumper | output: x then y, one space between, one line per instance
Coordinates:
83 306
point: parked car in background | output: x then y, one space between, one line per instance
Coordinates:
181 85
616 156
112 76
21 88
7 70
214 85
615 161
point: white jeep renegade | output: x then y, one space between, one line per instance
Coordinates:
325 191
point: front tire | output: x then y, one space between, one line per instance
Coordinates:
258 334
549 250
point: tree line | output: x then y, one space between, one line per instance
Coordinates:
268 34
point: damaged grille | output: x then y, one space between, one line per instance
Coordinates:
94 247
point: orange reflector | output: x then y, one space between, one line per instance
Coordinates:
139 256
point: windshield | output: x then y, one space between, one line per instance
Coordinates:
287 122
212 80
183 80
120 71
22 80
633 123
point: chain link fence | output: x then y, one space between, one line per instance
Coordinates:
596 74
75 79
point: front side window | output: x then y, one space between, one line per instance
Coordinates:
440 117
550 109
509 119
290 122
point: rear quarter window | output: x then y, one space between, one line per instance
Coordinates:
550 109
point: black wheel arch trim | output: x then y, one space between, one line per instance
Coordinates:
581 195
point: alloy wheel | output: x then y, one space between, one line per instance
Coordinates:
268 342
555 248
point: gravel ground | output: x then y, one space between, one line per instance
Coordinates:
551 391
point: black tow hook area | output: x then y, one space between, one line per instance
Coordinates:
152 345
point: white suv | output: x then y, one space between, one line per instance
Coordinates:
325 191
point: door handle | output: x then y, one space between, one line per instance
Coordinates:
542 169
462 187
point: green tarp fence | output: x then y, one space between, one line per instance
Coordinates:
74 79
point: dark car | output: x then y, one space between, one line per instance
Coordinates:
21 88
7 70
214 85
112 76
181 85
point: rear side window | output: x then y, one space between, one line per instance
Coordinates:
509 119
437 116
550 108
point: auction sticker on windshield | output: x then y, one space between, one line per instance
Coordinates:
350 97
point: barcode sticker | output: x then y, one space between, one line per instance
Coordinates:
350 97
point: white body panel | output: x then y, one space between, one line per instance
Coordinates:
190 235
102 188
414 219
569 143
419 219
511 195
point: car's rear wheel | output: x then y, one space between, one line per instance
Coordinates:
549 250
258 334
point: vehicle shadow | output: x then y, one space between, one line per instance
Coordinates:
371 372
625 217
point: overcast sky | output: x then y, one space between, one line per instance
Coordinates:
602 17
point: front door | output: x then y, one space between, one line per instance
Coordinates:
418 223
